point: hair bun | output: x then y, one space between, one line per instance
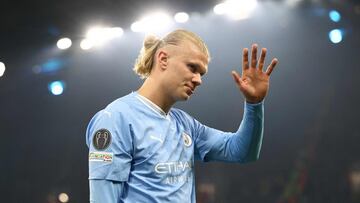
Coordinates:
150 41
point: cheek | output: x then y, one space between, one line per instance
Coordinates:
184 72
178 72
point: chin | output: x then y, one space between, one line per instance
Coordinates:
183 97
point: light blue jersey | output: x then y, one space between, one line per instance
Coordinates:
137 153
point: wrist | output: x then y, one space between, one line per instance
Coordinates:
249 101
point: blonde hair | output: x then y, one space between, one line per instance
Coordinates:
145 61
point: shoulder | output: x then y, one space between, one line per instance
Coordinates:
178 113
120 105
118 110
185 119
181 116
121 108
113 119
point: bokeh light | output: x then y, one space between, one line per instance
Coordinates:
2 69
63 197
336 36
181 17
56 87
64 43
334 15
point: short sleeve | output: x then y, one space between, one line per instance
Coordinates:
110 145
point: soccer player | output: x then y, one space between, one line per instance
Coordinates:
143 150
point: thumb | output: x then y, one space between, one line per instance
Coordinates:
237 77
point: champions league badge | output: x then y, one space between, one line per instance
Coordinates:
101 139
187 139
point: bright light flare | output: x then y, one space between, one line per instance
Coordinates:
86 44
56 87
116 32
152 23
336 36
181 17
220 9
137 26
64 43
100 35
236 9
2 69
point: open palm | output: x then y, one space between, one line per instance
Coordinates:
254 82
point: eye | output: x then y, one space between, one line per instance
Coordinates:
192 67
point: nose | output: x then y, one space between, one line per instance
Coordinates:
196 79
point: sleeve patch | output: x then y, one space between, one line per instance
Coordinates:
101 156
101 139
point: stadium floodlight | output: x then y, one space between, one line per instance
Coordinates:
236 9
86 44
335 36
152 23
136 27
2 69
181 17
100 35
97 35
220 9
64 43
115 32
56 87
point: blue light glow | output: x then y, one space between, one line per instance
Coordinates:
51 65
56 87
334 16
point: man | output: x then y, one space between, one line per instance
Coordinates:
143 150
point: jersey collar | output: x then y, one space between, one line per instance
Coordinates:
151 104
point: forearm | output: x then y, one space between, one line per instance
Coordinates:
248 139
105 191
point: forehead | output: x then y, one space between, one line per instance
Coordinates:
189 52
192 53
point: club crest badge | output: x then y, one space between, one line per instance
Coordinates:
187 139
101 139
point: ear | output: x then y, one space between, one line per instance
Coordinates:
162 58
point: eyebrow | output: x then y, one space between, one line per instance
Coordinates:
198 68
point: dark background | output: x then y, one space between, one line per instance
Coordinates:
310 151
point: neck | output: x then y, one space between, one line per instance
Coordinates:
153 91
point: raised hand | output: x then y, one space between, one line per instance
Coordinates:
254 82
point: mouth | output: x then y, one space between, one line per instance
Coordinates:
190 90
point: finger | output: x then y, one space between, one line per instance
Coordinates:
253 55
245 64
262 58
271 67
236 77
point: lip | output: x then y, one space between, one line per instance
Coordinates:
191 90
